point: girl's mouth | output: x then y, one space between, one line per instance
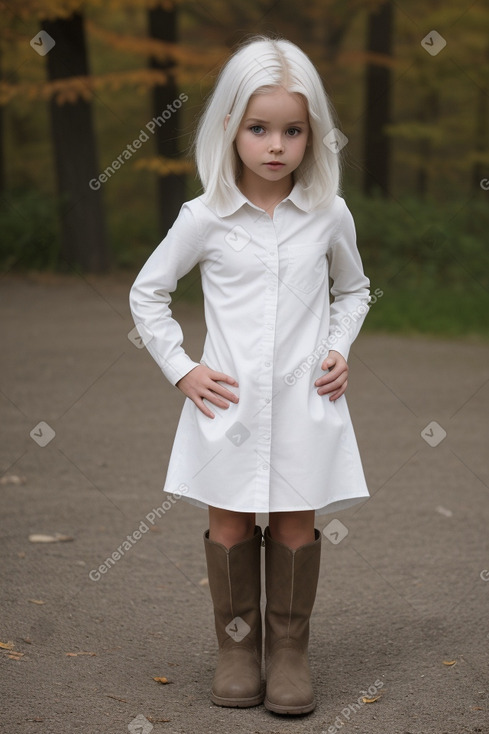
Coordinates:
274 165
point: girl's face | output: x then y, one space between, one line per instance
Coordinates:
272 136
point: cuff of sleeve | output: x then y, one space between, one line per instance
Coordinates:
339 344
178 367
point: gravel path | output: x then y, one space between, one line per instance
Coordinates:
87 428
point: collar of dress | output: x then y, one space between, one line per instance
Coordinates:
236 200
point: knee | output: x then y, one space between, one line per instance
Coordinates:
230 528
292 529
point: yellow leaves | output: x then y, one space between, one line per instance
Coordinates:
71 89
449 662
56 538
12 479
15 655
165 166
8 648
160 50
163 681
36 601
370 700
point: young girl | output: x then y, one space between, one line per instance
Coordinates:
265 427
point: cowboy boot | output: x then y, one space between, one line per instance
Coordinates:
234 582
291 582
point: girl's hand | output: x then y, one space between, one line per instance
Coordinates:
202 382
334 382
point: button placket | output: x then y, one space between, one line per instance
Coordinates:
270 296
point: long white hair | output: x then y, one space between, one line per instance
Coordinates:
259 66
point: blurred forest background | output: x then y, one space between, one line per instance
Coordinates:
409 81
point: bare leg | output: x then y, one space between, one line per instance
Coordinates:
229 528
292 529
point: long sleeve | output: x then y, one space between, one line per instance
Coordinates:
350 288
150 296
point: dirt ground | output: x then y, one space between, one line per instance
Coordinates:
88 423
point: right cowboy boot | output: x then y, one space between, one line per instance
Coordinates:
234 582
291 583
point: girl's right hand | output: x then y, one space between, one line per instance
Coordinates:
202 382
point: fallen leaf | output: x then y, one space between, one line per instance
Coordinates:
204 582
163 681
7 645
12 479
154 721
56 538
77 654
116 698
15 655
36 601
449 662
370 700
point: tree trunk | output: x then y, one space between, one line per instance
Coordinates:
3 182
171 188
428 113
83 234
479 170
378 102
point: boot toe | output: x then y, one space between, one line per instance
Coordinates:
237 681
289 687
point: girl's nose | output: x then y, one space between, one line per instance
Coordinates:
276 145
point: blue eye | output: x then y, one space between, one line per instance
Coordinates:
293 131
256 129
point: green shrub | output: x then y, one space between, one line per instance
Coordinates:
29 237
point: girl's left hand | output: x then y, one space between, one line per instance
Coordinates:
334 382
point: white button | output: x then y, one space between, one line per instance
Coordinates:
264 467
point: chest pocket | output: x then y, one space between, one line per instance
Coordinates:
306 266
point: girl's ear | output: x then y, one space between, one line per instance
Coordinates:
226 120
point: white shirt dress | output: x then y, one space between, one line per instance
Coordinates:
266 285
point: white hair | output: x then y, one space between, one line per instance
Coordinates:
257 67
